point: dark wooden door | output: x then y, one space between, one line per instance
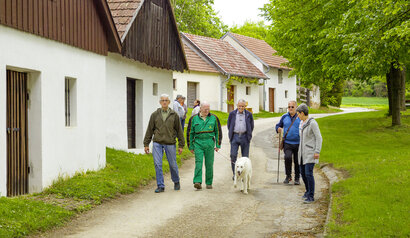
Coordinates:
131 113
231 97
191 97
271 99
17 143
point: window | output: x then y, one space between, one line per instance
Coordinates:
70 102
155 89
280 76
248 90
174 84
286 93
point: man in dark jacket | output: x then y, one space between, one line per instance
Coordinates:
240 126
165 126
291 143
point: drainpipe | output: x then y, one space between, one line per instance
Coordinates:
264 92
222 90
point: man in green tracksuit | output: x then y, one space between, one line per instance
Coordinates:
204 135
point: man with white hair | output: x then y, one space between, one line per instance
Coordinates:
240 126
165 126
204 135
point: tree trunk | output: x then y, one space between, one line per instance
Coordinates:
389 92
402 93
394 77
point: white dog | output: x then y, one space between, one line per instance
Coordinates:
243 173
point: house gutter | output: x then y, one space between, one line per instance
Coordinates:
222 90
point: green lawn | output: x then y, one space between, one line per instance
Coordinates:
373 201
373 102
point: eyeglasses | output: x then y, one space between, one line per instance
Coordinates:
291 107
162 100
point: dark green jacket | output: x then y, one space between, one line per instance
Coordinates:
164 132
204 129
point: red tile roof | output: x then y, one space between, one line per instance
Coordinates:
225 56
262 50
123 11
196 63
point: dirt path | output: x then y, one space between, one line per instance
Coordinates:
269 209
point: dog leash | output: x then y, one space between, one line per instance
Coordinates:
223 156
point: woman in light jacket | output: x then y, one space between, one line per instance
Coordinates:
309 150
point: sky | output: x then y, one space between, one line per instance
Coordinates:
238 11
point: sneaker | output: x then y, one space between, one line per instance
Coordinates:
287 180
208 186
233 177
177 186
197 186
304 197
159 190
308 200
297 182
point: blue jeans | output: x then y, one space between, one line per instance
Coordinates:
306 170
182 123
242 141
171 153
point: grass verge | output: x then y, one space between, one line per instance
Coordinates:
124 173
373 200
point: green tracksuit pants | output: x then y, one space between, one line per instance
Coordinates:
204 148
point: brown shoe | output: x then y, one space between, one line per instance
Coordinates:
197 186
208 186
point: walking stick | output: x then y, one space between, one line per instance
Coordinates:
280 136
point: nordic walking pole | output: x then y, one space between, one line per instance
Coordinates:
280 136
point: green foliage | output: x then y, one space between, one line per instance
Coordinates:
21 216
198 17
331 40
257 30
374 87
373 200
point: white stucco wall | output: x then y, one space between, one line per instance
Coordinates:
314 97
54 149
240 93
118 68
208 87
289 84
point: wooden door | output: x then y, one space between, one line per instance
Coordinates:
17 143
231 97
191 97
131 113
271 100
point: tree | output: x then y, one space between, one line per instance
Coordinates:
198 17
256 30
332 40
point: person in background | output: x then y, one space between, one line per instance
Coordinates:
204 135
240 126
289 125
309 150
164 125
178 108
195 110
185 112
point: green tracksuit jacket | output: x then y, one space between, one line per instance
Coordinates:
202 137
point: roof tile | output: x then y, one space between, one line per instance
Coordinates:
262 50
122 11
227 57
